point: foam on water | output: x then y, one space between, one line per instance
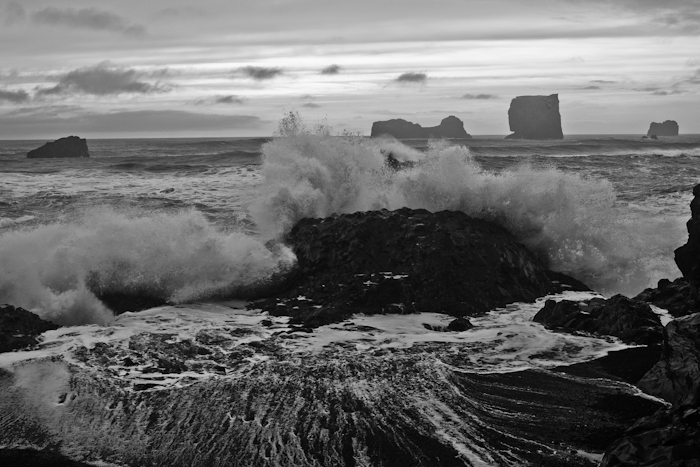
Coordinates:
177 257
575 222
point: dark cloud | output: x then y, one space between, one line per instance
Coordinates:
648 89
602 81
668 93
331 70
37 123
310 105
14 13
87 18
684 21
214 100
479 96
101 80
590 88
260 73
15 97
412 77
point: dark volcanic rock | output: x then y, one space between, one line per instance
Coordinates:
665 439
676 377
630 320
19 328
667 128
405 261
450 127
672 296
535 117
687 256
71 146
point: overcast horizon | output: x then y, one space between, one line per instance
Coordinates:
167 69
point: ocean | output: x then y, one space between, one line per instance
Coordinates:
191 221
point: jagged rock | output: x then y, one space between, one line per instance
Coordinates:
450 127
405 261
70 146
671 296
687 256
667 128
630 320
665 439
19 328
676 377
535 117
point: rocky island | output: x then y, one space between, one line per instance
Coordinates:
535 117
450 127
70 146
667 128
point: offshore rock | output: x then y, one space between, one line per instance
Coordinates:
667 438
676 377
667 128
671 296
535 117
450 127
70 146
405 261
630 320
19 328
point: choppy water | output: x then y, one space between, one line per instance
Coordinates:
187 219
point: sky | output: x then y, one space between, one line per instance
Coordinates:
211 68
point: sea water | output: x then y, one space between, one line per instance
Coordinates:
188 220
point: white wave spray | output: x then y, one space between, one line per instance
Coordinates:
573 221
178 257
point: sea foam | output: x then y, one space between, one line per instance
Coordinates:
574 222
178 257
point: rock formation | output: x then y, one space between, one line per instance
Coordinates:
71 146
405 261
535 117
450 127
671 296
687 257
630 320
19 328
667 128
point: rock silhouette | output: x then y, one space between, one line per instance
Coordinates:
450 127
70 146
535 117
667 128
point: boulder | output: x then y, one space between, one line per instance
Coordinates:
676 377
667 128
630 320
71 146
450 127
671 296
535 117
19 328
405 261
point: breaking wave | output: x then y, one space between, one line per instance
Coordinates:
573 222
181 257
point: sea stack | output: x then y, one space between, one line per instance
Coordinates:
667 128
535 117
450 127
71 146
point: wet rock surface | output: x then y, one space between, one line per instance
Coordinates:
19 328
450 127
405 261
535 117
70 146
671 296
630 320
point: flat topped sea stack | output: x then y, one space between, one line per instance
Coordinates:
71 146
535 117
450 127
667 128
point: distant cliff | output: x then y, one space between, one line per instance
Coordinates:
535 117
667 128
71 146
450 127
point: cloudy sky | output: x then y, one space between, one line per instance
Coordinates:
165 68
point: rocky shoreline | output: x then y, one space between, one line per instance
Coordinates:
341 406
